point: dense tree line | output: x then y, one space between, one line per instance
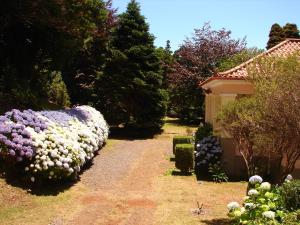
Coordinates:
57 53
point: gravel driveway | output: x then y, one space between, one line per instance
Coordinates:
121 182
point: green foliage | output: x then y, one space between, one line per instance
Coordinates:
181 140
292 218
204 130
57 90
290 192
184 157
239 58
130 89
240 119
217 173
40 38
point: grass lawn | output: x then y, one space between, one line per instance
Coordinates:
179 196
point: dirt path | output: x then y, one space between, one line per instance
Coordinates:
121 183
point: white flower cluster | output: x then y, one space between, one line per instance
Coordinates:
288 178
266 186
255 179
260 202
252 192
269 215
233 205
63 148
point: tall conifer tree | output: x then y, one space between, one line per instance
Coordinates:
291 31
276 35
130 91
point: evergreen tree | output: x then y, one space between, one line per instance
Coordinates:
291 31
130 90
168 47
276 35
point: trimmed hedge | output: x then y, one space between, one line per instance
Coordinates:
181 140
184 157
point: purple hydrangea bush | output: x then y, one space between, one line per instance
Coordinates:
52 144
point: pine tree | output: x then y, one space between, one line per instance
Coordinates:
276 35
291 31
130 90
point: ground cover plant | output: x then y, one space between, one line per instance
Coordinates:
51 144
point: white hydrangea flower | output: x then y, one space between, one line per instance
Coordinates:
269 215
288 178
252 192
255 179
249 205
265 186
233 205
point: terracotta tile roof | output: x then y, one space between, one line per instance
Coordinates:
240 73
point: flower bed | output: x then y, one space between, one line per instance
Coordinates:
51 144
265 204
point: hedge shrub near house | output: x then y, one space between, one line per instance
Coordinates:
51 144
291 194
181 140
184 157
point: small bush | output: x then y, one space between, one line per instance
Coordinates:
291 194
184 157
181 140
217 173
203 131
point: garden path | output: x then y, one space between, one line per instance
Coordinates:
122 182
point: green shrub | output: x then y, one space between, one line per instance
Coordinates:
291 194
181 140
184 157
203 131
292 218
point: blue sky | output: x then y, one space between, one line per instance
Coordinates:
175 20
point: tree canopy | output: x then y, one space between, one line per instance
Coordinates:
267 123
197 59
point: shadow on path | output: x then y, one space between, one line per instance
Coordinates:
223 221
